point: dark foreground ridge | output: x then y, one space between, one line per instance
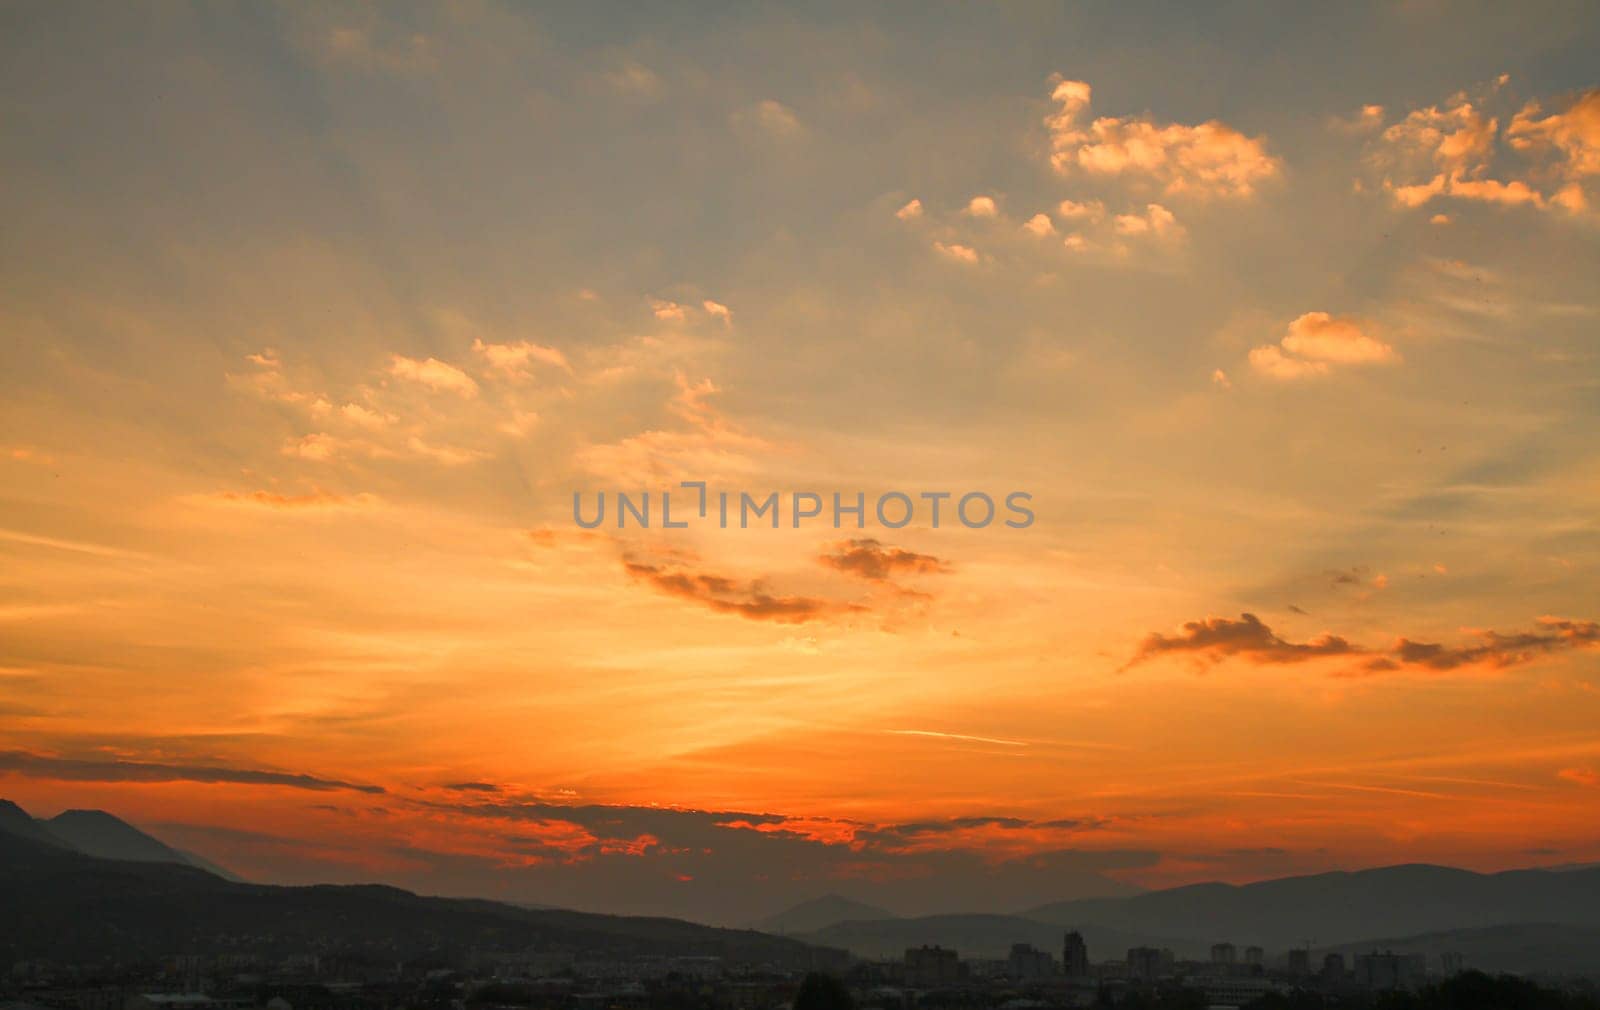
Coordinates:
63 904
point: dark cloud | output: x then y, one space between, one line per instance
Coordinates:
1347 576
867 558
725 595
731 866
1217 638
471 787
92 770
1493 649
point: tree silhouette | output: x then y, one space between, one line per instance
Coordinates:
823 992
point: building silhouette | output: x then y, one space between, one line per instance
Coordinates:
929 967
1075 956
1028 963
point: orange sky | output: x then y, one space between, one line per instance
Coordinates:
316 320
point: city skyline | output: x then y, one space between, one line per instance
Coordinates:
318 317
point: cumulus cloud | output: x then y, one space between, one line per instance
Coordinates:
1218 638
1210 159
982 206
1040 225
868 558
1315 344
516 359
434 374
717 310
1156 221
912 209
956 251
667 311
1458 150
1073 209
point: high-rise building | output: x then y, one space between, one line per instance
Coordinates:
1144 964
1028 962
1224 953
929 967
1300 961
1387 970
1452 962
1254 955
1333 968
1075 956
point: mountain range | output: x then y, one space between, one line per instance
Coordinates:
99 834
86 883
1523 920
63 903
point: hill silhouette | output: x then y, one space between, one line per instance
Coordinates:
1345 907
63 904
819 913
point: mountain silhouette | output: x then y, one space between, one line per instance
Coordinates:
1521 948
64 904
1345 907
97 833
16 821
819 913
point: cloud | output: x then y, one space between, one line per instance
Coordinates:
912 209
514 359
869 559
1315 344
1210 159
1156 221
1570 138
1457 150
1363 120
1493 650
1072 209
772 118
717 310
634 81
749 599
434 374
1119 238
317 446
397 53
1217 638
314 500
707 446
1581 776
667 311
982 206
955 251
1040 225
95 770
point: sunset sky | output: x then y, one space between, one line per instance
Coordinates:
314 318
